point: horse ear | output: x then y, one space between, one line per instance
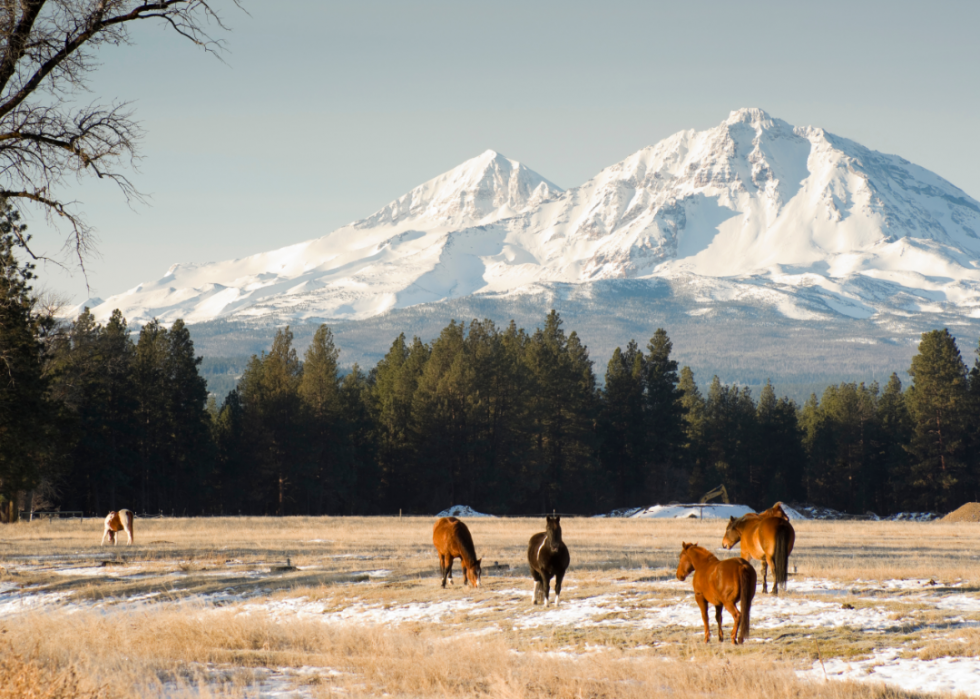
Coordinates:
557 519
732 518
479 561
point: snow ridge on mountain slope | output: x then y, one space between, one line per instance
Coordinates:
751 208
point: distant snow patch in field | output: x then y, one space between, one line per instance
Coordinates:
461 511
694 511
939 675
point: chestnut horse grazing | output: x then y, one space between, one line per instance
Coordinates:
721 583
769 539
548 557
452 540
117 521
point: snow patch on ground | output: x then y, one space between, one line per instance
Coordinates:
939 675
461 511
694 511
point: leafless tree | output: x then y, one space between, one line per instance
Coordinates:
47 50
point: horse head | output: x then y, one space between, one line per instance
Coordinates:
732 534
685 566
553 533
474 573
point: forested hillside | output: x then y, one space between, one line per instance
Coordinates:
499 418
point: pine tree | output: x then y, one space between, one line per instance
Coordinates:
329 482
152 416
563 405
623 426
665 420
896 428
778 450
693 449
26 417
394 381
189 445
938 402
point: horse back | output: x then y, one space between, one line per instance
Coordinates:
720 581
452 537
769 529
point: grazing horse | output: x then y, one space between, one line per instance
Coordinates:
548 556
117 521
770 539
721 583
452 540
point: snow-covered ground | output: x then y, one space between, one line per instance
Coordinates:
652 599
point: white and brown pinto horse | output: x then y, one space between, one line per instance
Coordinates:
116 522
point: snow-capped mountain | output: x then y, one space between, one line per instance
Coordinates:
793 217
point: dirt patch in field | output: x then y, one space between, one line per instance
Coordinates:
970 512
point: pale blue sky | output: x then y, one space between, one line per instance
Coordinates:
323 111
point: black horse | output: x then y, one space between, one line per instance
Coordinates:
548 557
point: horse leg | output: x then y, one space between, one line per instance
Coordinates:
703 604
449 568
536 598
721 635
765 571
547 588
559 576
442 570
736 617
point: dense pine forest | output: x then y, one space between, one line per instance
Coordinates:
504 420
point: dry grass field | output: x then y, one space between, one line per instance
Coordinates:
317 607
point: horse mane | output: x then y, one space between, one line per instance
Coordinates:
465 540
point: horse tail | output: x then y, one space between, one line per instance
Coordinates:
747 592
780 557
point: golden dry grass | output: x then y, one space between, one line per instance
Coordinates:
181 643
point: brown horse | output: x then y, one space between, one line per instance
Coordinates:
118 521
548 557
721 583
769 539
452 540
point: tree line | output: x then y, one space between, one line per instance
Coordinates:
500 419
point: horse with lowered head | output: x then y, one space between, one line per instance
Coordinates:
115 522
548 557
722 584
768 537
452 540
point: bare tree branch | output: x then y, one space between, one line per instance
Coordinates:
47 49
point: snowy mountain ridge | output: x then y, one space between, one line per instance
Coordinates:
794 218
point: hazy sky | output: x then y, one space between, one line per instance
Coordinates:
324 111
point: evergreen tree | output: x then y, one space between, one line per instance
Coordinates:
624 427
896 429
665 421
394 381
363 473
27 419
846 450
273 419
778 450
938 403
189 445
152 416
729 427
694 452
563 404
329 484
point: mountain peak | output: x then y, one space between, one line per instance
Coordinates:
479 190
749 115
